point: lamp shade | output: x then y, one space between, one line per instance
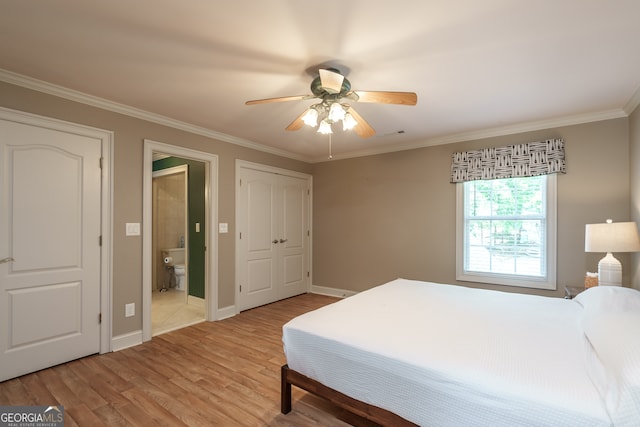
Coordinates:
612 237
325 127
310 118
336 112
348 122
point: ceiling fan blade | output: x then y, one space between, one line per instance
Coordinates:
297 123
363 129
404 98
281 99
331 81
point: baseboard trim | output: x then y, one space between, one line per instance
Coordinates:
135 338
226 312
126 340
332 292
196 301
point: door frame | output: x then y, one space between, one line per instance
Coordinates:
106 209
211 238
244 164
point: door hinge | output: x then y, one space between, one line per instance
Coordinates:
99 317
308 233
99 240
240 288
307 274
240 182
101 159
241 235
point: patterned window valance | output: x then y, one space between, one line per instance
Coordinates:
530 159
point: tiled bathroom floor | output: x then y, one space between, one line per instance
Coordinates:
169 311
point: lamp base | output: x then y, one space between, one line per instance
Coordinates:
609 271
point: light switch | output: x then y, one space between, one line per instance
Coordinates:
133 229
223 227
130 309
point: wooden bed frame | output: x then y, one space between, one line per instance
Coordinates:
378 415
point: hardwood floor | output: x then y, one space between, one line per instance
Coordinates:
224 373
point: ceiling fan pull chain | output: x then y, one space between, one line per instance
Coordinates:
330 155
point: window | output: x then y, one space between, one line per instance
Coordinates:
506 231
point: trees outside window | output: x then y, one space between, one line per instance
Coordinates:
506 231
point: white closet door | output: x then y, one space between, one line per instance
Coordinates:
273 223
258 210
50 188
294 229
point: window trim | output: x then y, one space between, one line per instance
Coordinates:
549 282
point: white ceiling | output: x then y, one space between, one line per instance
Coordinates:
479 68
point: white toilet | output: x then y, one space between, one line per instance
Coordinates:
180 278
177 254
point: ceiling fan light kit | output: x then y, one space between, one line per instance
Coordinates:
331 88
328 113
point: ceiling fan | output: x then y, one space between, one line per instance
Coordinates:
334 91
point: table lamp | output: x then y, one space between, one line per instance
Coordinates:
611 237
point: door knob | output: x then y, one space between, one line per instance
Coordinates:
274 241
283 240
7 259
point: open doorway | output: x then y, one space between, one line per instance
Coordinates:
179 242
177 203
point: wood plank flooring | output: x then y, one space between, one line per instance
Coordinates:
224 373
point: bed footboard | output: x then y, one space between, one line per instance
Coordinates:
378 415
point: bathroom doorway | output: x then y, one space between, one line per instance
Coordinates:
177 298
201 238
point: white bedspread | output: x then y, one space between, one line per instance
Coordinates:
443 355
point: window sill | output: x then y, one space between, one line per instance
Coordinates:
508 280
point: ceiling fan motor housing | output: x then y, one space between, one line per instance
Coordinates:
319 91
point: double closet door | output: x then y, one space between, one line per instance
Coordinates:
273 212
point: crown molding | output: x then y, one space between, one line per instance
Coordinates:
633 102
105 104
487 133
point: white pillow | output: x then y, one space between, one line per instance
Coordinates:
608 299
611 323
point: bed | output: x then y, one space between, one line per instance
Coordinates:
419 353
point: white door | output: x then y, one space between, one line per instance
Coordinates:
50 227
293 248
273 223
258 239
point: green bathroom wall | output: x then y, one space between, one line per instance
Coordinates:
196 208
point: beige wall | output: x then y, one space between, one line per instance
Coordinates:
129 134
381 217
375 218
634 159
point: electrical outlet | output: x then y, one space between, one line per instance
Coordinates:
130 309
